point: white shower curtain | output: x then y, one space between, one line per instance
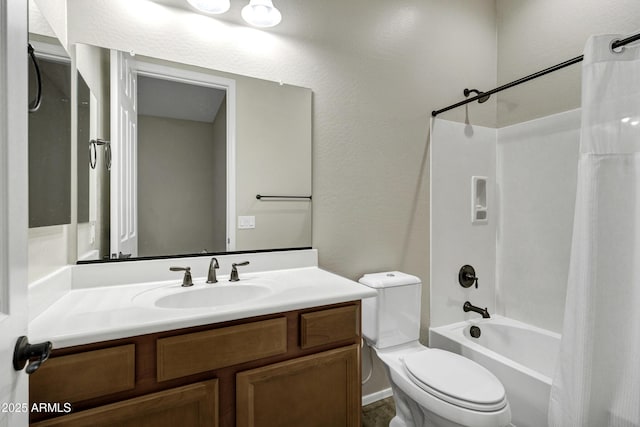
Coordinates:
597 379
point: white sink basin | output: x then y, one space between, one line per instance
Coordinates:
205 295
214 296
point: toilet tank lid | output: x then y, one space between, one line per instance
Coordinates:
388 279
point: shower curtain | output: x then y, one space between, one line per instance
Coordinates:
597 378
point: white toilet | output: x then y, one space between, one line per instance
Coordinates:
431 387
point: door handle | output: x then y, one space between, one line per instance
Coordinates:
24 352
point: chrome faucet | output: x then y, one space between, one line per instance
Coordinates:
234 271
186 280
213 266
470 307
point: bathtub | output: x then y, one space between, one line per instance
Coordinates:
522 356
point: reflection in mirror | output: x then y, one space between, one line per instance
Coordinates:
272 155
171 160
92 65
186 186
182 156
83 124
50 138
88 241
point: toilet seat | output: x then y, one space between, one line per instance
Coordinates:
455 379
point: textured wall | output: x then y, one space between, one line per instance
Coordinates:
377 69
533 35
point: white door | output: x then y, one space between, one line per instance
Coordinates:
124 149
13 208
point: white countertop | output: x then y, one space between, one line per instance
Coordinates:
84 316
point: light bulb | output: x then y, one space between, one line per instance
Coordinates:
214 7
261 13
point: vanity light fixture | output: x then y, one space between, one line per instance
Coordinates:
214 7
261 13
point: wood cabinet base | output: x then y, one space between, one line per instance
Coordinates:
313 391
295 368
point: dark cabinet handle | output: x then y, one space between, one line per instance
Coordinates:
24 352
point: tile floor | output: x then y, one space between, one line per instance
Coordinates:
378 414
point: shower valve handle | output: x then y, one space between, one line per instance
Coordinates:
472 278
467 276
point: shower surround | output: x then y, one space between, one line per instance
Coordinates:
521 254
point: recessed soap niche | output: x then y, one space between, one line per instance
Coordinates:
479 213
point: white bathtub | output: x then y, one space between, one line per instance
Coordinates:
520 355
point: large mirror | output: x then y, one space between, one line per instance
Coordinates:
49 134
179 172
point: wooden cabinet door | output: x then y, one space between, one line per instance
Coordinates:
195 405
313 391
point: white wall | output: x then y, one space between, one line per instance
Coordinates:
522 255
537 160
533 35
537 168
47 250
459 152
55 23
38 24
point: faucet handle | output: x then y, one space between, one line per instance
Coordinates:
467 276
187 280
234 271
211 276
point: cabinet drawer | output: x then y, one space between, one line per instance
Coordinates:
195 405
329 326
82 376
205 351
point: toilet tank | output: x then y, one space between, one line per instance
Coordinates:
393 317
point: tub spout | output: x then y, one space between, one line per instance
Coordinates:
470 307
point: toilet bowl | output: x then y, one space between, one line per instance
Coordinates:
431 387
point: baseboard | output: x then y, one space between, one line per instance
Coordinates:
378 395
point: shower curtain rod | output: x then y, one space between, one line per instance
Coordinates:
616 44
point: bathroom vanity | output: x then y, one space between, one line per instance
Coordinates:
286 353
294 368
